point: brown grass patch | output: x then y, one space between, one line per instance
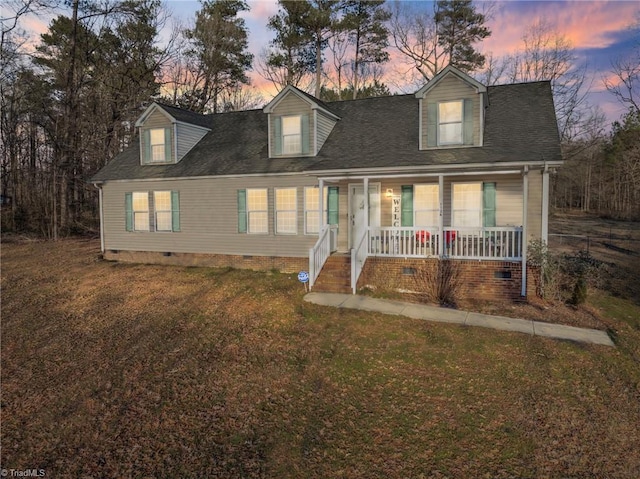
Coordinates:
114 370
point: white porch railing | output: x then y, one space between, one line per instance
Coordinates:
358 256
497 243
321 251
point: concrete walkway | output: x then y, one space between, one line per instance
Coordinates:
443 315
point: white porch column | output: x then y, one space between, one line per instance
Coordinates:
366 204
545 204
441 219
322 220
525 207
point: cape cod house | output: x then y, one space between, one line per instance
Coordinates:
355 192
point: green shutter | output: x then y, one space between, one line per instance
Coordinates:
242 211
277 135
175 211
146 146
467 126
128 208
168 145
407 205
489 205
304 129
332 208
432 124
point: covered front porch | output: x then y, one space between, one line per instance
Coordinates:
483 215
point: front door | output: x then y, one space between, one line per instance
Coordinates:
356 210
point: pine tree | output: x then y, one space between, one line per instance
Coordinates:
218 53
364 21
459 26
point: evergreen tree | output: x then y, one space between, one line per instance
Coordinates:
218 53
459 27
364 21
292 56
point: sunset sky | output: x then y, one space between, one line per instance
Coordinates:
600 31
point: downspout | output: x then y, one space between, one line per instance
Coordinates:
545 204
101 217
525 208
441 219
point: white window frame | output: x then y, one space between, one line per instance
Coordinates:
455 209
442 123
157 147
312 192
294 136
165 211
281 211
142 213
435 206
252 210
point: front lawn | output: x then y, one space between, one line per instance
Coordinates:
114 370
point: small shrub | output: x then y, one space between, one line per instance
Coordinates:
579 292
438 282
564 277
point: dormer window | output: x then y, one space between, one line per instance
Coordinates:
157 146
450 123
291 135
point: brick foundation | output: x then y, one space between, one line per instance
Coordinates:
482 280
258 263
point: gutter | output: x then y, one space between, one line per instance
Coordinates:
99 188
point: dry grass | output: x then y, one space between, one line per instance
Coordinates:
113 370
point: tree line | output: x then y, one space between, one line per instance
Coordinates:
70 100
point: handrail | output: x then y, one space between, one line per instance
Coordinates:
495 243
358 257
318 254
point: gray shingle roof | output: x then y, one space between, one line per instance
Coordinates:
520 125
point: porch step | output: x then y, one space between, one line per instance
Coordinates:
335 276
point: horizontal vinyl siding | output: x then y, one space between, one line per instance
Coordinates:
534 206
208 218
188 136
157 119
325 125
509 201
448 89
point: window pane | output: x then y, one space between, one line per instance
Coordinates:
286 222
140 201
257 199
286 198
291 125
450 111
157 153
313 223
163 221
258 222
157 136
426 218
162 200
467 204
291 135
450 133
311 198
141 221
162 204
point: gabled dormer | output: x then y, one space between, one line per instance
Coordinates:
451 111
299 124
168 133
